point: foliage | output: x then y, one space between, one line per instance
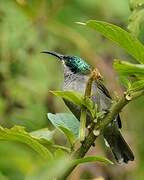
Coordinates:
119 36
132 46
67 123
136 21
89 159
32 146
126 41
18 134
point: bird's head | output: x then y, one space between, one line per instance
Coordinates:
74 63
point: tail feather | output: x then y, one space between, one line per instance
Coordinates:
119 147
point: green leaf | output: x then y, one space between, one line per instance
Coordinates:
59 152
92 159
51 170
77 99
63 148
67 123
70 136
125 81
127 68
118 35
43 134
72 96
18 134
91 106
136 4
137 86
136 24
44 137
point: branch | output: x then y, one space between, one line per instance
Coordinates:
98 128
95 75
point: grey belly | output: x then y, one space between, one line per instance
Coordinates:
78 84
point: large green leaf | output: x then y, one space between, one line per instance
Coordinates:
92 159
18 134
77 99
72 96
67 123
127 68
118 35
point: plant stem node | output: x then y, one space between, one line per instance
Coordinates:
96 132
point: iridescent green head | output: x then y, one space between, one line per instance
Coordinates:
74 63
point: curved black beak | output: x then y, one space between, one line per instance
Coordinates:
60 56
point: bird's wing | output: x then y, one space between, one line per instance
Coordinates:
107 94
103 88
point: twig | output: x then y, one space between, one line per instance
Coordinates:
95 75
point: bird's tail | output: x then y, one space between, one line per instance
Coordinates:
119 147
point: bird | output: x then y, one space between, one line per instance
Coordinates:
76 75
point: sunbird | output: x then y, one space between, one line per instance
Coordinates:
76 75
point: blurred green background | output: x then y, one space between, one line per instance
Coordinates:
26 28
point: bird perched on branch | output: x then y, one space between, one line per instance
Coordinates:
76 74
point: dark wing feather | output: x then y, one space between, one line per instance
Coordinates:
103 88
106 92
